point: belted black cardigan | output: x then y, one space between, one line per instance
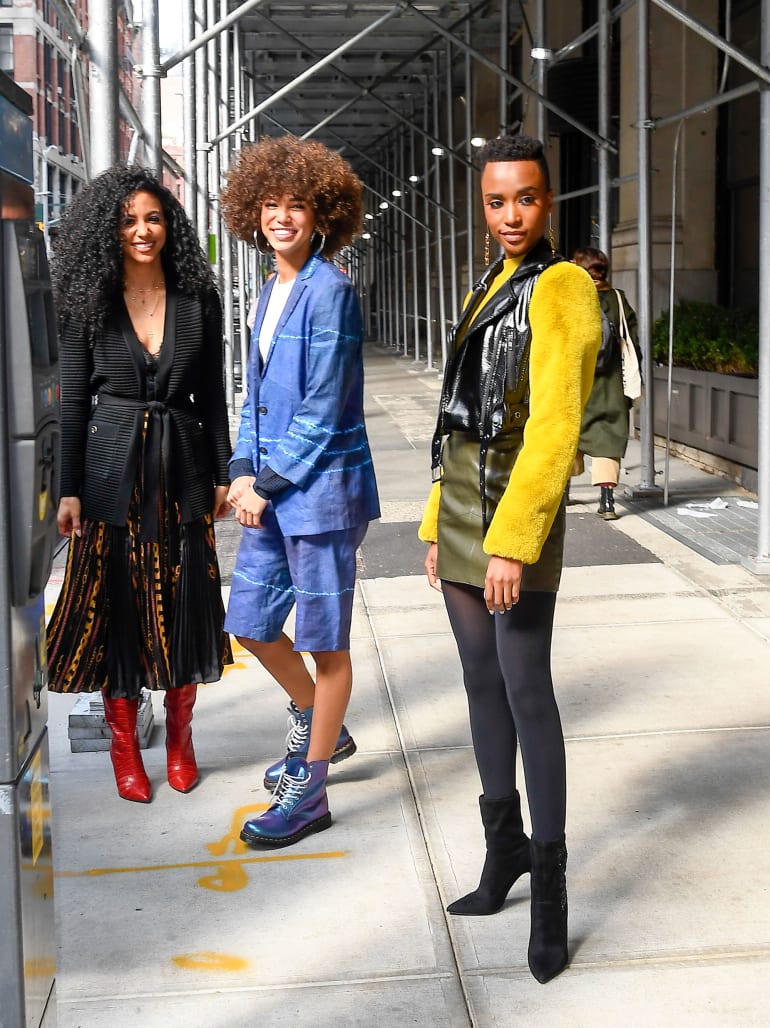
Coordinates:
104 404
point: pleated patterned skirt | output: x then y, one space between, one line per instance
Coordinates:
134 614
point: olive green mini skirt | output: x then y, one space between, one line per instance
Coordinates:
461 556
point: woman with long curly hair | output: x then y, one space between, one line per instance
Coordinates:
145 449
303 484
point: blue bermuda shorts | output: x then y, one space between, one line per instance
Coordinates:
273 572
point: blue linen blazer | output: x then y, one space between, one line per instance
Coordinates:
303 416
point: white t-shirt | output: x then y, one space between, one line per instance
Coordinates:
275 305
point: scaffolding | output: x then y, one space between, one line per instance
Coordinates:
380 82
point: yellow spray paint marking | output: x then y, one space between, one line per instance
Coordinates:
39 967
210 962
219 848
237 665
97 872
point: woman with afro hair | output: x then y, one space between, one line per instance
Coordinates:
303 485
144 473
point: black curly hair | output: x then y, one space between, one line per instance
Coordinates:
87 259
274 166
515 148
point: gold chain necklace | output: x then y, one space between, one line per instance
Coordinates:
148 312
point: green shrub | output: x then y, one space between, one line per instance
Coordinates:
709 338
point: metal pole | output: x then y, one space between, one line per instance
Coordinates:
243 293
450 130
647 485
151 73
201 122
540 66
188 114
605 233
195 44
103 83
224 242
413 194
502 95
402 237
441 284
469 194
760 563
428 284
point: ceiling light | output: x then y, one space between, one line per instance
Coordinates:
366 235
369 217
540 53
384 205
477 141
396 192
414 178
438 151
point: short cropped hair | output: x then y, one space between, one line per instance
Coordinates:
591 259
305 168
515 148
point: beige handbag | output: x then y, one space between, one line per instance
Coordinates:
632 376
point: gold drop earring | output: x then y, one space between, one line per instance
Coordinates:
486 249
550 235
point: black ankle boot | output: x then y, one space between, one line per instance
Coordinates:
507 856
607 504
547 953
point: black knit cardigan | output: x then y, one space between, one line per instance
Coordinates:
104 407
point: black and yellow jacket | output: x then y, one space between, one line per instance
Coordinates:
537 356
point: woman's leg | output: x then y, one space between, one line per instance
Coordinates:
524 651
285 664
492 725
334 681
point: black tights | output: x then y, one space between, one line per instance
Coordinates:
506 660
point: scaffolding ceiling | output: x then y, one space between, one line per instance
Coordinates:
370 87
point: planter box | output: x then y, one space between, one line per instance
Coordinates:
711 412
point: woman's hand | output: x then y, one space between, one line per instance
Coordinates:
501 585
68 516
221 504
430 567
238 487
248 506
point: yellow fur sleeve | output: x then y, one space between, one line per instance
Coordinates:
428 530
565 318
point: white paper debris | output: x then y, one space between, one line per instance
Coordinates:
716 504
748 504
690 512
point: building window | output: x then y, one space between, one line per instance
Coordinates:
6 49
6 3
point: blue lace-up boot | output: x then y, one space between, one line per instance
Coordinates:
298 740
299 806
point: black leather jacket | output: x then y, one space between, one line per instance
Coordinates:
486 385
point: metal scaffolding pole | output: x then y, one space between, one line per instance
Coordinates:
402 239
760 562
103 84
201 122
502 86
426 250
224 242
189 114
469 206
151 74
441 282
413 196
450 131
242 256
540 69
644 126
605 229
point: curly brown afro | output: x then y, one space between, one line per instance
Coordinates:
273 167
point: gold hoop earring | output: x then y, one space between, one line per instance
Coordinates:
551 236
486 249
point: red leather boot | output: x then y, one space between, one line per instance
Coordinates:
182 769
130 776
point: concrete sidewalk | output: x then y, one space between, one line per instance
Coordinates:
662 668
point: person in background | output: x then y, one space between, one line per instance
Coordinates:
145 450
303 484
604 430
519 372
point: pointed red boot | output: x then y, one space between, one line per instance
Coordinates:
130 776
182 769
